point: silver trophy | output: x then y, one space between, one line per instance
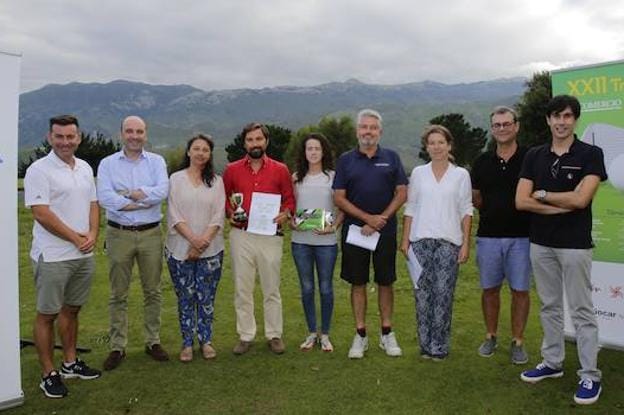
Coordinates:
239 214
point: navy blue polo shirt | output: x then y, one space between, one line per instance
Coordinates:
554 173
496 180
370 182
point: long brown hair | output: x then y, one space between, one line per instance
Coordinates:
208 173
301 162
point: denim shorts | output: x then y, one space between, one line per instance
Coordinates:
504 258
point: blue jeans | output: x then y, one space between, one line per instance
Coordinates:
195 284
324 257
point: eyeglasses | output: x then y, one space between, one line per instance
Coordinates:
501 125
554 168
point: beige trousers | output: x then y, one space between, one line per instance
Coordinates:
261 253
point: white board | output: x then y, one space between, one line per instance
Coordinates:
10 382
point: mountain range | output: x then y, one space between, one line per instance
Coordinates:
175 112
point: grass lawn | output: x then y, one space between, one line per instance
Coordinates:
313 382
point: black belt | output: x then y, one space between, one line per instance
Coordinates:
135 228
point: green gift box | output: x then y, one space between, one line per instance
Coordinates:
310 219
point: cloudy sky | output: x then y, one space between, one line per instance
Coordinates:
223 44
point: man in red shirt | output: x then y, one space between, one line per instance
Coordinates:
250 252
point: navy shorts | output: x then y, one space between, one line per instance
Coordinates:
356 261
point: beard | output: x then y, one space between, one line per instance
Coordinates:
366 141
256 153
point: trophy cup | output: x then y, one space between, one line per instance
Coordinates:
239 214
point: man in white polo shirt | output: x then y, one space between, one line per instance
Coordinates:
60 190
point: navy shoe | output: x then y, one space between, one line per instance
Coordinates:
588 392
79 369
52 385
540 372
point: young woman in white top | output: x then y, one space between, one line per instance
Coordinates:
315 248
436 226
194 246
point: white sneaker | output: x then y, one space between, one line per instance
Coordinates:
309 342
326 345
358 347
389 343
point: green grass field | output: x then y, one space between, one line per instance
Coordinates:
306 383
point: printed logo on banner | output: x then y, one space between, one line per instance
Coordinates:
606 315
596 289
616 292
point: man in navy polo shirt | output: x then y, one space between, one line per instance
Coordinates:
370 186
503 234
557 183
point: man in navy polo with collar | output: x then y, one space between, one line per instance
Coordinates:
557 183
370 186
131 186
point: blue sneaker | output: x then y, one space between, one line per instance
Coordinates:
540 372
588 392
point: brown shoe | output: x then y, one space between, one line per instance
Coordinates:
208 352
157 352
276 345
114 359
242 347
186 355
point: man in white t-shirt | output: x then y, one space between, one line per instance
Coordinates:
60 190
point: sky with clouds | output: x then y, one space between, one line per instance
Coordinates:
227 44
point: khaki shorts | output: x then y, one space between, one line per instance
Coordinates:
62 283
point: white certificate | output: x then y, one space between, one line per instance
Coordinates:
355 237
264 208
413 266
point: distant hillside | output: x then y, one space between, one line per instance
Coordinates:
175 112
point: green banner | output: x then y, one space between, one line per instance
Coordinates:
600 89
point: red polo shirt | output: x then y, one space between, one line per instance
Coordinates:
273 177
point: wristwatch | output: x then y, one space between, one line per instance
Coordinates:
540 195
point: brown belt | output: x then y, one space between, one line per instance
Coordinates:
134 228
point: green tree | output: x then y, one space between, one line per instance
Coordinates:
532 110
279 138
340 133
91 149
468 141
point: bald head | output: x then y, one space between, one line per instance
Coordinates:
134 118
133 134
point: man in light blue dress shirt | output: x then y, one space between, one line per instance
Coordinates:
131 185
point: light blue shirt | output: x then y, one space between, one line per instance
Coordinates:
117 175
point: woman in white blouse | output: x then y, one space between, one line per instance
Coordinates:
194 246
436 227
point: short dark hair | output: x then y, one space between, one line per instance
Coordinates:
561 102
255 126
64 120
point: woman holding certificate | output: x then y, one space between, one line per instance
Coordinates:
194 246
436 227
314 243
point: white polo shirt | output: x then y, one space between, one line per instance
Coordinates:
69 193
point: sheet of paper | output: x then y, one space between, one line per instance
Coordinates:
413 267
355 237
264 208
